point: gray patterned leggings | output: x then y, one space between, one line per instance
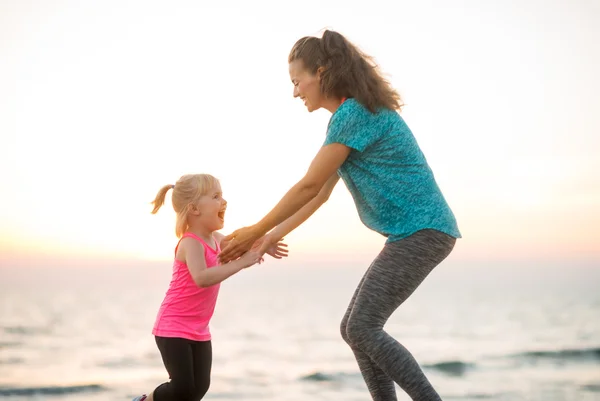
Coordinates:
390 280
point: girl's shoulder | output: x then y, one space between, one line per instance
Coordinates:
184 244
218 237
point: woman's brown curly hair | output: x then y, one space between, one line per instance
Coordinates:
346 71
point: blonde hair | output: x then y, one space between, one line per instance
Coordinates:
187 191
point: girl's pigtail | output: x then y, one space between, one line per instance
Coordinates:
160 197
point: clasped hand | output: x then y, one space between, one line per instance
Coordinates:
248 238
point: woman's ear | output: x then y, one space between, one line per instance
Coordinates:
320 72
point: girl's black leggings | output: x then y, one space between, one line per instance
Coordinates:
188 364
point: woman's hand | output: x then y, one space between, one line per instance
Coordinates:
238 243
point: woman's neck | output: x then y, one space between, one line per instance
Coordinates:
332 104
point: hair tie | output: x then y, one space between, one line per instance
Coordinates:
172 186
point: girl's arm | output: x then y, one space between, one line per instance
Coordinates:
192 252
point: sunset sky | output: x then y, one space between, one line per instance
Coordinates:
102 103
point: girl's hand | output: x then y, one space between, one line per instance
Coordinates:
250 258
270 245
278 250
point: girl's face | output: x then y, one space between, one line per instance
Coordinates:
210 210
306 86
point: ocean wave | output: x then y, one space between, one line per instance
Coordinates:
482 396
120 363
563 355
328 377
11 361
318 377
54 390
592 387
9 344
452 368
459 368
23 330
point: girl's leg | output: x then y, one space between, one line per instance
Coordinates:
202 367
394 275
178 357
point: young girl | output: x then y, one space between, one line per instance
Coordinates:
372 149
181 328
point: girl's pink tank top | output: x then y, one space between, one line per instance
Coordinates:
187 309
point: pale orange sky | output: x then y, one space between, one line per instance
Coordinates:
101 104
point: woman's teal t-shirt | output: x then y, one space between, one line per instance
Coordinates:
391 183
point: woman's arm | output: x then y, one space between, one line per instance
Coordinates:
324 165
307 210
298 218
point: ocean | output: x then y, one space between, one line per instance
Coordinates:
497 332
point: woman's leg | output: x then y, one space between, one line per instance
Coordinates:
178 357
379 384
394 275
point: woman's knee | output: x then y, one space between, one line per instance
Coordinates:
359 333
343 330
352 332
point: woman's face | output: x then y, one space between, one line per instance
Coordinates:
306 86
